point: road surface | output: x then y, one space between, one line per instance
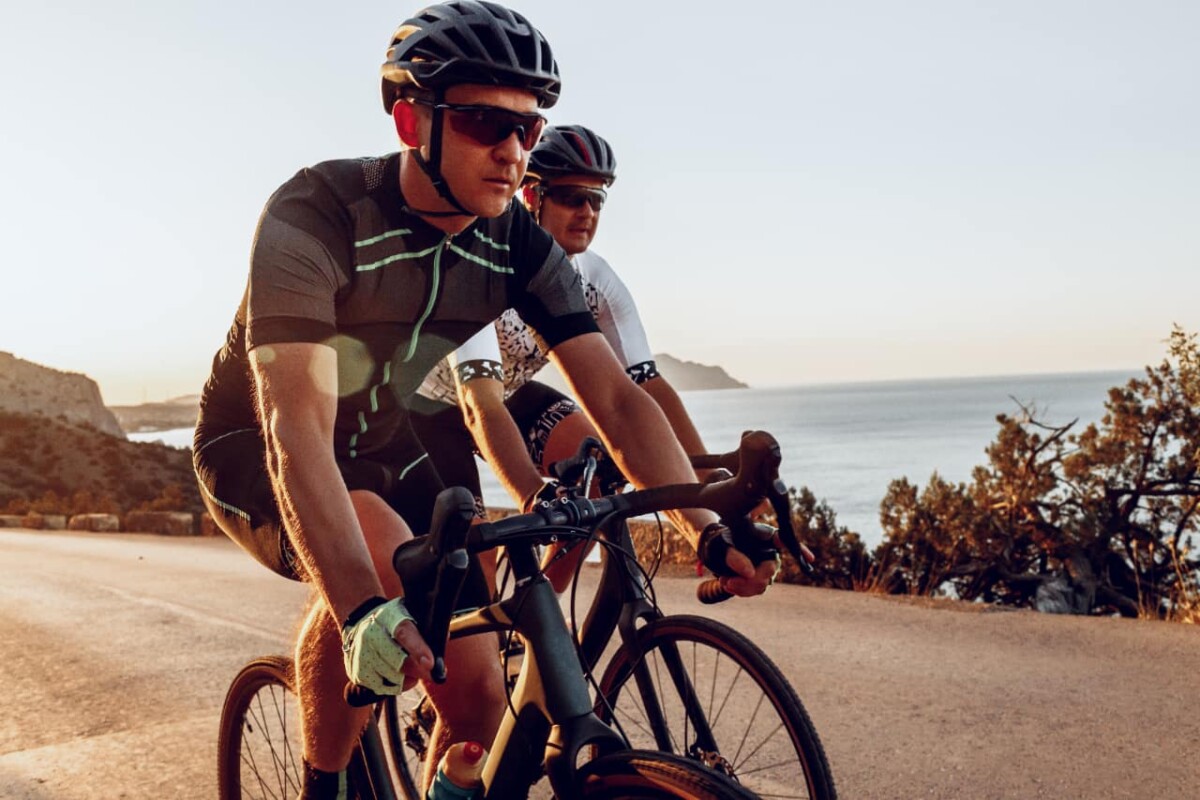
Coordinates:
117 649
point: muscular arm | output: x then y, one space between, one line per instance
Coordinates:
497 436
668 400
296 388
633 427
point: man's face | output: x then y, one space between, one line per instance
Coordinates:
566 214
484 178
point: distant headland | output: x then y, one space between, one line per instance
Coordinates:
29 388
684 376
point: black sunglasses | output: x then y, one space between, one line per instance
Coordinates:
491 125
575 196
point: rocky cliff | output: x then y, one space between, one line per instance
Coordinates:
684 376
178 412
28 388
687 376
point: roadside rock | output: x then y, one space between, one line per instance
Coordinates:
96 523
167 523
44 522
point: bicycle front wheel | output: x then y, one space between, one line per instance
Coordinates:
259 748
645 775
408 720
706 692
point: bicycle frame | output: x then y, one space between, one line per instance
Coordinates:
551 716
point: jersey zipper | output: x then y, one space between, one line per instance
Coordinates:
434 282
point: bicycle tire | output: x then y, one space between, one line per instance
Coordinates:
258 746
786 760
651 775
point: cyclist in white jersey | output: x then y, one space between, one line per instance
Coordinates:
519 425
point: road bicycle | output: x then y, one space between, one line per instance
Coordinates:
664 671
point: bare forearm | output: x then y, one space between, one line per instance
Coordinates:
499 440
296 394
640 440
633 427
681 423
321 521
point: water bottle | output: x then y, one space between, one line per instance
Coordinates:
460 773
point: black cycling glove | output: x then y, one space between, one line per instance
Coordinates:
755 540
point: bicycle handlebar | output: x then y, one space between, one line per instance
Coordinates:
432 585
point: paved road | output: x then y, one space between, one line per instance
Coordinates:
117 649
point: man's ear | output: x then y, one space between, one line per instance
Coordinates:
404 115
531 197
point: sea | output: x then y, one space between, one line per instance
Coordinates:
848 441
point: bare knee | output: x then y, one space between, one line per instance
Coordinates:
472 701
565 437
384 531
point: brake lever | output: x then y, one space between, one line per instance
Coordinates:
777 495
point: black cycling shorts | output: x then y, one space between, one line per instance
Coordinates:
237 491
535 407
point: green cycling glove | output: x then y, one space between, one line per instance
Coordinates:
372 656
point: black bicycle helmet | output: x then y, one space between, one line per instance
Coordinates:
465 41
572 150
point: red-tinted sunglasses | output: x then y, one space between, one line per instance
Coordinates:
491 125
575 196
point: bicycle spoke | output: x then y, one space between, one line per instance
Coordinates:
742 724
728 693
247 754
752 753
278 699
633 699
259 714
765 767
749 727
266 756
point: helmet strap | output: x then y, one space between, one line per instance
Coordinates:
432 167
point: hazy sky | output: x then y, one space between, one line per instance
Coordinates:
807 191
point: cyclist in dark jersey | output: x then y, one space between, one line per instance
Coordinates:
364 273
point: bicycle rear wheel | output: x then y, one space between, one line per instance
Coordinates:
704 691
647 775
258 748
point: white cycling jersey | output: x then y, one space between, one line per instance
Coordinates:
509 351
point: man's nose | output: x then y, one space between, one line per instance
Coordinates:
509 151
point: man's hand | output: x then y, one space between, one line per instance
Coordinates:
738 572
382 648
748 579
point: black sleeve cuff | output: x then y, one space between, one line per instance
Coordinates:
274 330
366 607
645 371
479 368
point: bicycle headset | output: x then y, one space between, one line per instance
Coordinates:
465 42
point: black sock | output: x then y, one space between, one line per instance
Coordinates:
322 785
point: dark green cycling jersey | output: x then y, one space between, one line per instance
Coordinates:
339 259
